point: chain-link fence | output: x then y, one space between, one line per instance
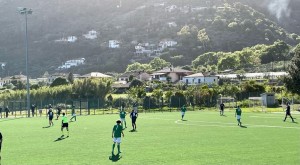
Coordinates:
18 108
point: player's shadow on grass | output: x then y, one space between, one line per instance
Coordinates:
61 138
46 127
114 158
133 130
242 126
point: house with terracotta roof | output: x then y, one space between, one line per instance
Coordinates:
142 76
173 74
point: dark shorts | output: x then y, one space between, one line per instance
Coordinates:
50 118
65 125
133 119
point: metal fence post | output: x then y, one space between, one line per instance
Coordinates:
80 106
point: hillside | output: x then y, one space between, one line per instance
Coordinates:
229 27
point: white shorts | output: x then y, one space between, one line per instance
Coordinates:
238 117
122 119
182 113
117 140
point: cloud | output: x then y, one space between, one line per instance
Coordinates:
279 8
3 65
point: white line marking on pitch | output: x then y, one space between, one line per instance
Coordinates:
214 124
266 117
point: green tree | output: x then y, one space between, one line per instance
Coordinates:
228 62
157 94
168 95
92 88
233 26
136 83
209 58
19 85
158 63
71 78
59 81
292 82
137 92
276 52
110 99
252 86
203 38
138 67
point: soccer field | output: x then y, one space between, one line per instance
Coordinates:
161 138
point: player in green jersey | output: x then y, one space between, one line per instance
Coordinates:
116 135
238 114
183 109
122 117
64 124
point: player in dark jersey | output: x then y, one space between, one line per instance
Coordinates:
50 114
58 112
288 112
222 109
32 109
1 138
133 116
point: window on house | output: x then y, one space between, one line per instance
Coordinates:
187 81
199 81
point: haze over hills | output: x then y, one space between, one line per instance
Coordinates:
134 20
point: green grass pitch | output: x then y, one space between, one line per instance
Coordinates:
161 138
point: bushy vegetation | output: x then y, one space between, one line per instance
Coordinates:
246 59
80 89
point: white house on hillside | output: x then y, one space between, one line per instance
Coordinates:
91 35
70 63
171 8
199 78
144 48
113 44
95 75
172 24
167 43
19 77
68 39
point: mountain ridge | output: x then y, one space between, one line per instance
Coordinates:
143 21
